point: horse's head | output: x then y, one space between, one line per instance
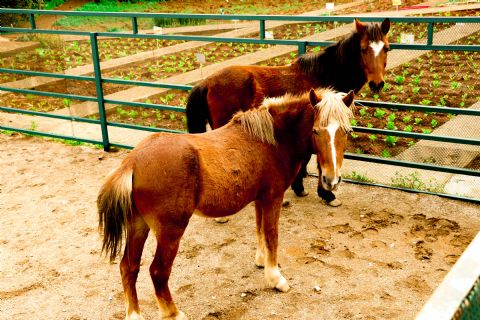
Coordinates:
373 50
330 131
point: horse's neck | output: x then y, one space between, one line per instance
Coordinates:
344 74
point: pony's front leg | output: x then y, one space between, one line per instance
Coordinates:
260 254
270 217
130 265
168 240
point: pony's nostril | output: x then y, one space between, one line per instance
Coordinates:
324 179
372 85
380 85
339 179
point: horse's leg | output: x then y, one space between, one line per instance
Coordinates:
130 264
327 196
168 240
260 254
270 217
297 184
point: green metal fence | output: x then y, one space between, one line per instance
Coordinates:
431 41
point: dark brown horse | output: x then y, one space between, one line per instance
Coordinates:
167 178
347 65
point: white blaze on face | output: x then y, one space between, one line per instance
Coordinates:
332 130
377 47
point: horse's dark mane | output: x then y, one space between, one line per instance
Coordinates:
339 64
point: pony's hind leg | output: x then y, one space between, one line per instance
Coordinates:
130 265
168 241
270 217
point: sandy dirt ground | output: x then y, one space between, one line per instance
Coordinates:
378 256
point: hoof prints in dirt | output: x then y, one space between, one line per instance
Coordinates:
429 230
432 228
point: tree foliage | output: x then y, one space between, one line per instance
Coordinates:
9 19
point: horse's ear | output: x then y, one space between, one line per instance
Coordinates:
359 26
313 97
348 99
385 26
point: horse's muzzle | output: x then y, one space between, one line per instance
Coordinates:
330 184
376 87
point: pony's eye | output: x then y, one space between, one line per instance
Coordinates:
364 50
386 49
315 131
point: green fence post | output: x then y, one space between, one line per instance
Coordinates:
98 85
262 29
134 25
302 48
31 17
430 33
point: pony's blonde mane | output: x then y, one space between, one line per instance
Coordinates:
257 122
332 108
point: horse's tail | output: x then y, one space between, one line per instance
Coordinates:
114 204
197 109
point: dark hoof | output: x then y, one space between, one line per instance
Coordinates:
301 194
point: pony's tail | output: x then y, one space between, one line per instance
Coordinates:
114 204
197 109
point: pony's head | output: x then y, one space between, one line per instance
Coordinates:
373 51
330 131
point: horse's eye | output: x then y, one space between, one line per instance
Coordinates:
364 50
386 49
315 131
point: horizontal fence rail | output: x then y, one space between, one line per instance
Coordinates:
99 80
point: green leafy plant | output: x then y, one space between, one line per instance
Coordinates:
391 140
379 113
407 119
391 125
385 154
399 79
362 112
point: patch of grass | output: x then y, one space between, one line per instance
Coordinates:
413 181
357 176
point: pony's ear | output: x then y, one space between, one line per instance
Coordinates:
313 97
385 26
359 26
348 99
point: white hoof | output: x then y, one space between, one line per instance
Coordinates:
276 280
335 203
221 219
134 316
282 285
179 316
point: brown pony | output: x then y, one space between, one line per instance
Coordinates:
344 66
167 178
